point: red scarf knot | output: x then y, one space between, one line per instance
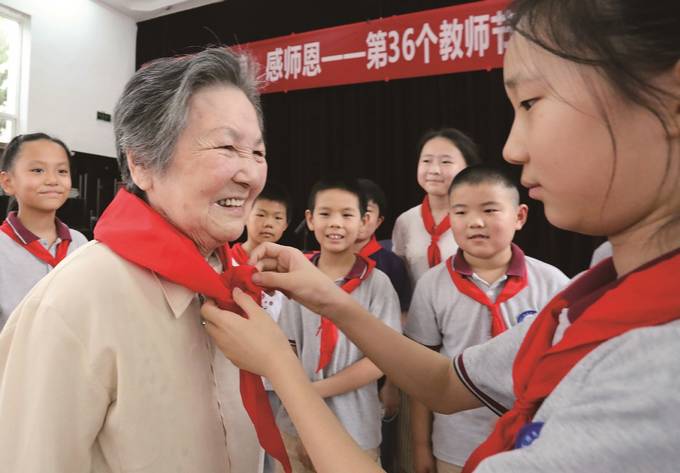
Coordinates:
34 247
434 256
328 331
460 271
162 248
241 277
524 407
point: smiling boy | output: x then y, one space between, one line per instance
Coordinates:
488 286
339 371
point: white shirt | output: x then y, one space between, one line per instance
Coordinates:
410 240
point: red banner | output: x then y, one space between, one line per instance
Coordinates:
468 37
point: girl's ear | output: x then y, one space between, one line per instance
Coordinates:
6 183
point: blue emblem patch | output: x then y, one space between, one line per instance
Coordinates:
528 434
525 314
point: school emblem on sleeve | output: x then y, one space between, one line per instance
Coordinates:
525 314
528 434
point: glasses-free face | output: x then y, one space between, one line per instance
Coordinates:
336 220
267 221
440 160
484 218
40 177
208 190
600 164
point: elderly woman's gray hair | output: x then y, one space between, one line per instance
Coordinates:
151 113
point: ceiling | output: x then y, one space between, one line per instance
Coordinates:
142 10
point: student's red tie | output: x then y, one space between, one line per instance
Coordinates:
36 249
370 248
327 329
513 285
434 256
646 297
137 233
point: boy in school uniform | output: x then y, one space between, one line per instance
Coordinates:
339 371
488 286
268 219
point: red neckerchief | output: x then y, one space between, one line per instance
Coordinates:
35 248
513 285
371 247
327 329
434 256
163 249
239 254
601 307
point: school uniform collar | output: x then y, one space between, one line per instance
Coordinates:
179 297
581 296
358 269
26 236
517 266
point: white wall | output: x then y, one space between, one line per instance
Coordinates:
81 55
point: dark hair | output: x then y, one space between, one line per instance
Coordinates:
374 192
339 183
276 193
464 143
625 41
484 174
12 151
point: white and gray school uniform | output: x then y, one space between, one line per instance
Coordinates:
440 315
410 241
21 270
617 410
359 411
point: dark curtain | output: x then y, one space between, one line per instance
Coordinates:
364 130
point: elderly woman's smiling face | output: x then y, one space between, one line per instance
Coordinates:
217 169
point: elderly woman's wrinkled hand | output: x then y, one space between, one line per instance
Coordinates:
254 344
288 270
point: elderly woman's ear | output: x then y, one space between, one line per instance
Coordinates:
141 175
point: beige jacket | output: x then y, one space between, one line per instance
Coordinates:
105 367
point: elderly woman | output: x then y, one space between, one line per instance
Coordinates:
105 366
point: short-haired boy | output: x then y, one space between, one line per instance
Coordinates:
339 371
488 286
268 219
